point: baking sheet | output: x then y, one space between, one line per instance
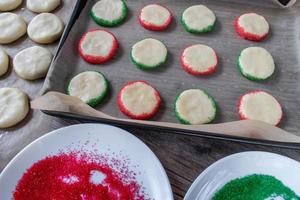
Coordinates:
226 85
13 139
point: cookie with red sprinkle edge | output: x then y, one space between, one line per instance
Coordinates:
98 46
139 100
260 105
199 59
252 26
155 17
109 13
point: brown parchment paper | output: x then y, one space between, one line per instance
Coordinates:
226 85
13 139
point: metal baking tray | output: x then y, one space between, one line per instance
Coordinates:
226 85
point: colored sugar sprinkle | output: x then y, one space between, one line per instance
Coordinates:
78 176
255 187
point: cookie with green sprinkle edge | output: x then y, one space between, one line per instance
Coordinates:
198 19
195 106
260 105
109 13
256 63
149 54
139 100
90 86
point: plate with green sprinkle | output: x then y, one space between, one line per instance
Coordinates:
251 175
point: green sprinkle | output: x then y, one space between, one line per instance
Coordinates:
255 187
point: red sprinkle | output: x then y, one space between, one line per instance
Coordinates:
246 35
69 176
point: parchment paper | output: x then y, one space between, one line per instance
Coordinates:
226 85
13 139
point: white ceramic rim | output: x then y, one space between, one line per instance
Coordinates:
57 131
208 169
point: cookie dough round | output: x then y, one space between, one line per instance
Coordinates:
98 46
8 5
4 62
45 28
42 6
90 86
32 63
155 17
194 106
252 26
12 27
149 54
256 63
14 107
198 19
260 105
199 59
139 100
109 12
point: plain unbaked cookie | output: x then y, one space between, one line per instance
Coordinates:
12 27
4 61
45 28
40 6
7 5
14 106
32 63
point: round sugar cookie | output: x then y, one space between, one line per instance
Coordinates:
252 26
14 107
12 27
4 62
109 12
8 5
199 59
149 54
139 100
45 28
90 86
98 46
32 63
256 63
155 17
198 19
194 106
260 105
42 6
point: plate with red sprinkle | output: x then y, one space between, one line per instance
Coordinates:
87 161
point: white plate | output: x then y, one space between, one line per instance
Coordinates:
242 164
107 140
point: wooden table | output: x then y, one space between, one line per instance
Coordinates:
183 157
